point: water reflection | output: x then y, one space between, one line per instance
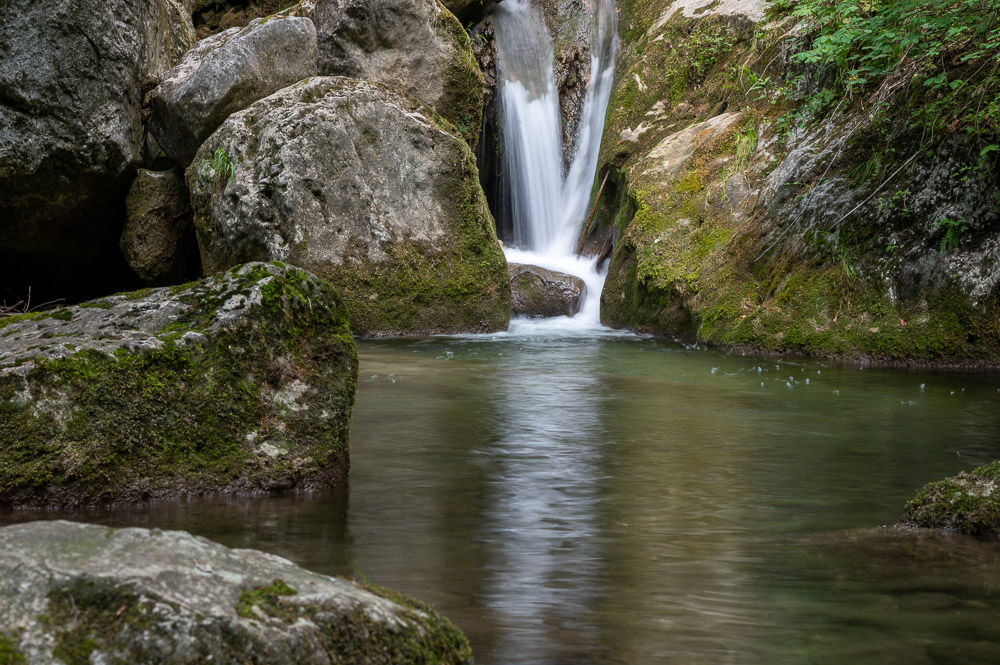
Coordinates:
610 499
543 470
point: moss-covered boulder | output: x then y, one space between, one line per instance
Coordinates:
367 188
414 45
967 503
81 593
241 383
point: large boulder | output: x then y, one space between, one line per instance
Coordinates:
226 73
158 240
416 45
83 593
72 78
241 383
367 188
967 503
540 292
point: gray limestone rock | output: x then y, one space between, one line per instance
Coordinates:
158 240
365 187
539 292
72 77
83 593
226 73
415 45
240 383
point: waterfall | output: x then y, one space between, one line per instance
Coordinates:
548 203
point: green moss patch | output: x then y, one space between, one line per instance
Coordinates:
967 503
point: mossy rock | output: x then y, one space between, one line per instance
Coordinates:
967 503
242 383
82 593
367 188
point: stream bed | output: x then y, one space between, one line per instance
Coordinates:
577 499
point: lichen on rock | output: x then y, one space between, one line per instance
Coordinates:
82 593
241 383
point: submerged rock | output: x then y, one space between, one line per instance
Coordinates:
967 503
241 383
72 78
83 593
415 45
158 240
368 189
226 73
539 292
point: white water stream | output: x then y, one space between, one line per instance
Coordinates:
549 204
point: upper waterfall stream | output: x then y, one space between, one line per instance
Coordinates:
549 203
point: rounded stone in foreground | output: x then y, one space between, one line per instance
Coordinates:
82 593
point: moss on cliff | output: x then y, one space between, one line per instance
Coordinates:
783 234
206 411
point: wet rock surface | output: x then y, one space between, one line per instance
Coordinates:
226 73
365 187
73 592
241 383
539 292
72 79
158 240
415 45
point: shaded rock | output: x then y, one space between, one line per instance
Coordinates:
468 11
368 189
241 383
226 73
415 45
570 23
967 503
73 592
158 240
72 79
539 292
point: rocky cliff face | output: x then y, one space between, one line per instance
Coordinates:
72 80
755 206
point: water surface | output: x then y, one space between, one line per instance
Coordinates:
603 498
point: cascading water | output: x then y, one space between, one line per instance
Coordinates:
548 205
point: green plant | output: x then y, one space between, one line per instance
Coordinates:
220 169
746 144
950 47
953 229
